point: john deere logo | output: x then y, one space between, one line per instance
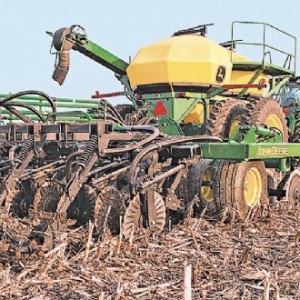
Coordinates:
220 76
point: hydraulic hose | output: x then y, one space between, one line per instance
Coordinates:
69 162
29 92
26 106
156 146
13 111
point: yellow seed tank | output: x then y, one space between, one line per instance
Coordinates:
186 59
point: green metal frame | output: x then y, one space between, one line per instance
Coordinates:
280 74
82 44
270 68
67 106
93 51
177 106
83 116
251 143
257 143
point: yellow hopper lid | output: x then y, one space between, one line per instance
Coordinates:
187 59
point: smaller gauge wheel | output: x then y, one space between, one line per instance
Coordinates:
293 189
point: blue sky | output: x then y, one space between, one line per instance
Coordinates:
122 27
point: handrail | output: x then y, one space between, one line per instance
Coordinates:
263 44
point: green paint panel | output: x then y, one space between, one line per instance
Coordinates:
56 99
177 108
251 151
224 151
182 107
268 68
169 126
102 56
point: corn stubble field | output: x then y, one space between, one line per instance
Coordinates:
229 260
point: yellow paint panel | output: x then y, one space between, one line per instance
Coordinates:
238 57
196 115
243 77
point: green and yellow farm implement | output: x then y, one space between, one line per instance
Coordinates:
208 132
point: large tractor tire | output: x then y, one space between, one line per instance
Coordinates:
225 117
295 137
267 112
249 187
222 184
241 186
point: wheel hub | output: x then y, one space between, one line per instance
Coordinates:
234 125
206 190
252 187
273 121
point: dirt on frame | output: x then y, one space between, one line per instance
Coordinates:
236 260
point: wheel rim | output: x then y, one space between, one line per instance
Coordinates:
206 191
273 121
252 187
233 126
293 190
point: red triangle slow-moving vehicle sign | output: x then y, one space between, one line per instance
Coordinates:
159 109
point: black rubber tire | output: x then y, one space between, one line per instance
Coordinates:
50 196
222 116
293 190
115 200
259 110
23 200
221 194
194 188
229 184
295 137
82 208
189 191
